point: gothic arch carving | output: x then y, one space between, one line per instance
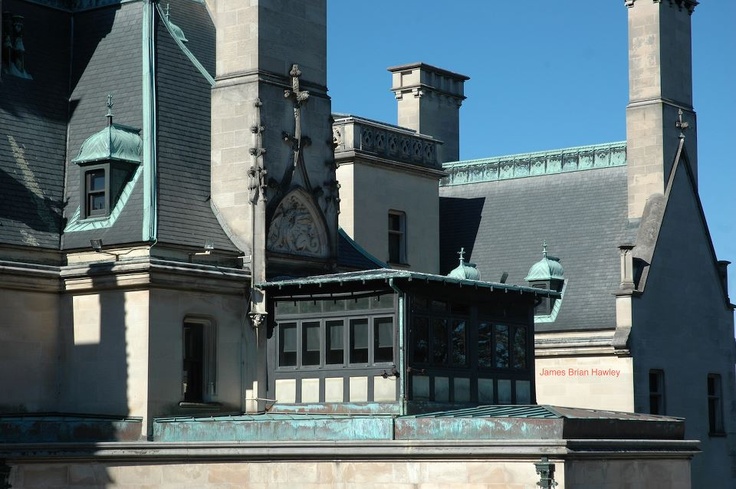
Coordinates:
297 227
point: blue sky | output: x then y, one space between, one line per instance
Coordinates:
543 75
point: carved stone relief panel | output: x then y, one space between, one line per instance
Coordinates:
297 227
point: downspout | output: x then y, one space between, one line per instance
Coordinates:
149 230
402 354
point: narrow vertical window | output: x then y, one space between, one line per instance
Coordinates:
439 341
656 392
396 237
485 345
199 361
383 336
501 337
420 333
335 342
459 345
95 193
715 405
310 343
358 341
287 344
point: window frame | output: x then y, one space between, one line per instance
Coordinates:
327 319
399 234
207 391
657 392
715 405
87 192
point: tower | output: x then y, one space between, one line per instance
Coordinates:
660 85
273 173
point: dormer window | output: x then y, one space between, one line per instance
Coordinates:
106 160
95 189
546 274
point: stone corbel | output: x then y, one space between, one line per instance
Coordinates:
257 319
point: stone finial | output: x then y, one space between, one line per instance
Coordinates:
681 124
109 109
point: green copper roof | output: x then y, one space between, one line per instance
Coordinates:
535 164
115 142
548 268
465 271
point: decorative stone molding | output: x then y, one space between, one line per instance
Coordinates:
296 227
383 140
688 4
534 164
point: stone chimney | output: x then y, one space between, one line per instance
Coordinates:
660 84
429 101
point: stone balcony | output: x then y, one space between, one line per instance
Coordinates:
355 136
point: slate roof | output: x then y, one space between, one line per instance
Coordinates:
582 215
33 114
352 256
107 49
183 94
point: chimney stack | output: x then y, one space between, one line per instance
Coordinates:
429 101
660 84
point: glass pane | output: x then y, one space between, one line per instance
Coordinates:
334 306
358 341
96 180
361 304
459 345
502 345
420 340
307 307
335 345
97 202
394 222
394 248
439 341
310 343
519 345
287 343
383 332
382 301
287 307
485 353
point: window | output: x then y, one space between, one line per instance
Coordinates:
360 340
715 405
656 392
95 192
310 343
287 340
396 237
335 345
383 335
198 370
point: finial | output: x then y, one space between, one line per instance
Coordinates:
544 248
167 11
461 254
109 109
680 124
